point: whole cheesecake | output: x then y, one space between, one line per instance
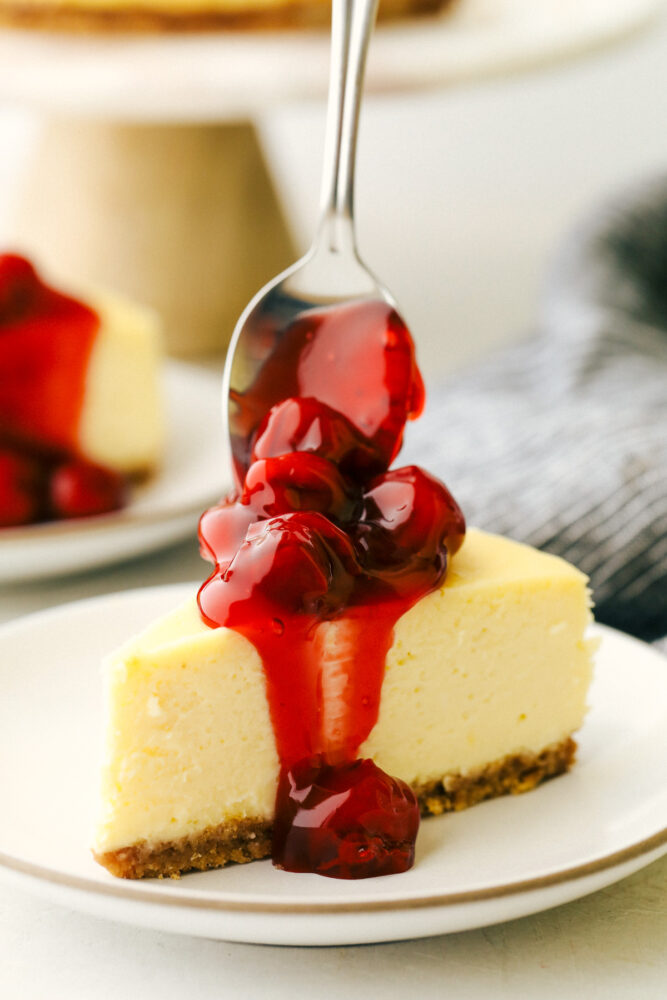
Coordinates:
485 685
189 15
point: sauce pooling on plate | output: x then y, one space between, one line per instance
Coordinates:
319 552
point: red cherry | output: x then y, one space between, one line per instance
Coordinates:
409 525
19 286
297 481
310 426
21 489
82 489
296 564
356 359
222 529
348 821
361 362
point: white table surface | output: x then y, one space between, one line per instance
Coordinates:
554 143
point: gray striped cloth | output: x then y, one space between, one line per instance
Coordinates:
561 441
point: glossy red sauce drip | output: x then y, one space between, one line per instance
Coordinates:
45 343
316 557
354 360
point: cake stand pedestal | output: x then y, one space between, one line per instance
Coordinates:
182 217
149 176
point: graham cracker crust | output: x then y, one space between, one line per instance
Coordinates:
510 776
70 18
250 839
237 841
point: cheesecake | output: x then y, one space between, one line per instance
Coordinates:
485 686
81 407
355 657
122 423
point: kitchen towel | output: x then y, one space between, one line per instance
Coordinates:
561 440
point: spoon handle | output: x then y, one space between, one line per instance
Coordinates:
351 27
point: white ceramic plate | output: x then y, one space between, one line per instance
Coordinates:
500 860
164 510
210 77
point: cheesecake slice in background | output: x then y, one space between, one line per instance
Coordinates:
121 423
81 408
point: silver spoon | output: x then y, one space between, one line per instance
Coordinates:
331 272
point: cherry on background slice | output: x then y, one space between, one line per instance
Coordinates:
82 489
347 821
19 286
46 339
21 489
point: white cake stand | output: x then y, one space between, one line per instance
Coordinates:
149 177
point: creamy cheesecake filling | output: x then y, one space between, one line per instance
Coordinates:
492 666
505 635
122 418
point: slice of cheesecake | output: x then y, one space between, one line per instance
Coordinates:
81 407
485 684
78 376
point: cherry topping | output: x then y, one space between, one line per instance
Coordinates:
349 821
81 489
45 343
310 426
18 286
316 557
410 523
222 529
357 360
21 489
296 564
297 481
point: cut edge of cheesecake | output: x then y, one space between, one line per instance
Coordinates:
485 686
239 841
122 420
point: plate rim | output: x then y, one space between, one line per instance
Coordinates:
128 892
131 891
